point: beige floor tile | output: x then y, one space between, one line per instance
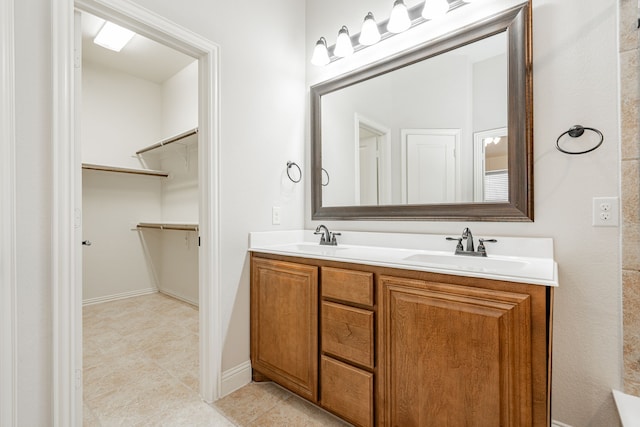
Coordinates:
141 369
247 404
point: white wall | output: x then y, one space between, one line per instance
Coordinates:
120 115
179 262
121 260
575 81
33 210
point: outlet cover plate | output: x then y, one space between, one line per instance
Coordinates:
606 212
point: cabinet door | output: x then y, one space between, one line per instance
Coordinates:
284 324
454 355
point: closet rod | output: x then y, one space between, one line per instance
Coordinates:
160 226
168 141
106 168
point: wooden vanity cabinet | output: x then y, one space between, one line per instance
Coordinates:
284 324
386 347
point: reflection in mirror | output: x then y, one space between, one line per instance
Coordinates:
491 166
414 130
442 131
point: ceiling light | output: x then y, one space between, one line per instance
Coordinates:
343 43
369 34
434 9
113 36
399 20
320 53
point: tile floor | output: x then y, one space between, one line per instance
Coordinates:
141 369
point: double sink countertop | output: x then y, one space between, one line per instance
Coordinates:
515 259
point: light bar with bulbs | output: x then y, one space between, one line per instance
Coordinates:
401 19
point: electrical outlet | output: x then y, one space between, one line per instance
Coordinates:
605 212
275 215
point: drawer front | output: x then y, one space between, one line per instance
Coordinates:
347 285
347 391
347 332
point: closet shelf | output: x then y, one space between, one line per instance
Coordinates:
170 140
169 226
118 169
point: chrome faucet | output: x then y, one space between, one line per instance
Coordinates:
327 238
466 234
470 251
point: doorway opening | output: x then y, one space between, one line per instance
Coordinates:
138 117
67 197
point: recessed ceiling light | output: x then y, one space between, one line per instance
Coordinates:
113 36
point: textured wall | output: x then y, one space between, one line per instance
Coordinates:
630 128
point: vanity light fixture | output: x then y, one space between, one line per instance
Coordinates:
399 20
369 34
113 37
434 9
343 43
320 53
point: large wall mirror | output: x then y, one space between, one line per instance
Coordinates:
442 132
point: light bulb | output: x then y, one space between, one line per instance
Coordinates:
434 9
369 34
320 53
343 43
399 20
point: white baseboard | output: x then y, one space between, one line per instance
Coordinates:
122 295
235 378
178 297
555 423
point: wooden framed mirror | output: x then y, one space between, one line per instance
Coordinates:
401 139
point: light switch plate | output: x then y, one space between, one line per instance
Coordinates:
606 212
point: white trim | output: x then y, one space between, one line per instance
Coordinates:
235 378
116 297
8 312
66 295
174 295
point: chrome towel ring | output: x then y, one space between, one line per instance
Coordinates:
576 132
289 164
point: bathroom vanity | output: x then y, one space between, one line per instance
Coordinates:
399 335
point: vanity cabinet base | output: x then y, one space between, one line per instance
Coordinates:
401 347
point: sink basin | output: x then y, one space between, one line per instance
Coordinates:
461 261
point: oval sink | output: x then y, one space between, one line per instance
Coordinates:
461 261
312 248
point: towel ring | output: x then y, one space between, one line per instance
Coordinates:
576 132
289 164
327 173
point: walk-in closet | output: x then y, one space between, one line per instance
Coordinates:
138 132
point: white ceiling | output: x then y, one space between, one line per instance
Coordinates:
142 57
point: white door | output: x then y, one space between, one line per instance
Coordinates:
369 171
430 172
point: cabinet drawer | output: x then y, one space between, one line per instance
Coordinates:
347 391
347 285
347 332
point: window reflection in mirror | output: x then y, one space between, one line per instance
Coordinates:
408 137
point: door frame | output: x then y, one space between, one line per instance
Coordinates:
8 280
384 157
66 249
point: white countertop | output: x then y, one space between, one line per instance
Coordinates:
514 259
